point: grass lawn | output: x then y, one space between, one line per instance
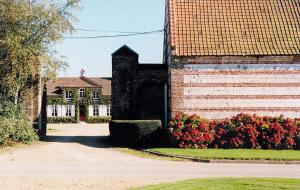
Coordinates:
229 184
233 154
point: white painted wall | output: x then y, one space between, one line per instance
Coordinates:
238 91
244 103
228 114
243 67
256 79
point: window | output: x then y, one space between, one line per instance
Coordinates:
81 93
68 111
68 95
95 110
96 95
54 111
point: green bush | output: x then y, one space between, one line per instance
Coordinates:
98 119
138 133
14 124
61 120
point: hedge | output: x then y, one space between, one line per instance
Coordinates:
138 133
61 120
14 124
98 119
241 131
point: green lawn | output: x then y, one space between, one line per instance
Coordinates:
233 154
229 184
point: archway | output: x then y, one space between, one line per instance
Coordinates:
150 101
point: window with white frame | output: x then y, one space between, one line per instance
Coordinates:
54 111
95 110
68 95
68 111
96 95
81 93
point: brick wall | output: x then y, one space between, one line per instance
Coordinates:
222 90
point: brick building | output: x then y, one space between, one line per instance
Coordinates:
227 56
78 98
221 58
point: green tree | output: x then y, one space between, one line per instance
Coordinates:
29 30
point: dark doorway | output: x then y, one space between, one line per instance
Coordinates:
150 101
82 113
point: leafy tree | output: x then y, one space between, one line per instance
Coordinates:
29 30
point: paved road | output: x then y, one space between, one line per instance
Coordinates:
78 157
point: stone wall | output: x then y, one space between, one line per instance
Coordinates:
35 100
129 77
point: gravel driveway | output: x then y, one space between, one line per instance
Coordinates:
78 157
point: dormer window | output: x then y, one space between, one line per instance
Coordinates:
96 95
81 93
68 95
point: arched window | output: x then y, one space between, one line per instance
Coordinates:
68 95
81 93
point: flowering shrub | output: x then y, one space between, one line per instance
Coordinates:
190 131
277 132
241 131
237 132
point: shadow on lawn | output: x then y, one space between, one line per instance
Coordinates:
91 141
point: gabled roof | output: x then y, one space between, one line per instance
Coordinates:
124 50
234 27
54 87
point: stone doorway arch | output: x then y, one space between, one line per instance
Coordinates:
150 100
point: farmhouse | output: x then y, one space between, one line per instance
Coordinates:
221 58
77 99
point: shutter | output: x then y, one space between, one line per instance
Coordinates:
102 110
73 110
59 109
49 110
91 110
109 110
63 110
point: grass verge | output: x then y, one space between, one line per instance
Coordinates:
233 154
228 184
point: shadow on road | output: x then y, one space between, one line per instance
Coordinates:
92 141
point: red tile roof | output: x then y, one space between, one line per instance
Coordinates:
54 87
235 27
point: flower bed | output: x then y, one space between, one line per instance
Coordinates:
241 131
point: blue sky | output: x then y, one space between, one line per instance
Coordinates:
94 55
